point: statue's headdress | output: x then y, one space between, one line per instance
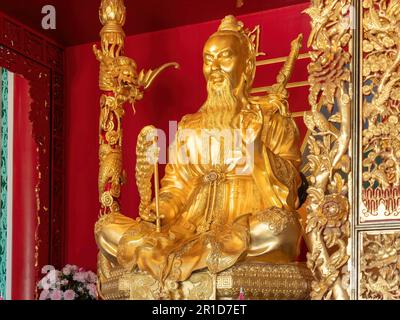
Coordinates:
230 23
250 38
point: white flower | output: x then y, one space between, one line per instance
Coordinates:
47 268
53 276
45 284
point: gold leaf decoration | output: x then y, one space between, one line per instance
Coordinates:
327 228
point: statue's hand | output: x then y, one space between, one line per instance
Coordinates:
148 215
151 212
251 123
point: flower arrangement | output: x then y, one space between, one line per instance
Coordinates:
71 283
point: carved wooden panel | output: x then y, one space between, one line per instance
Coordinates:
380 91
379 265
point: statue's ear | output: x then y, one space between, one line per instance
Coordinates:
250 70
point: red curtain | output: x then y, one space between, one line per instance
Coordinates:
25 178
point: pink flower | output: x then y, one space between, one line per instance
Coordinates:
80 276
56 295
241 294
44 295
92 290
73 267
92 277
64 282
69 295
66 270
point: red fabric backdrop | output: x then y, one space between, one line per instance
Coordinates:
24 198
173 94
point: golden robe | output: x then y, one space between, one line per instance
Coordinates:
217 216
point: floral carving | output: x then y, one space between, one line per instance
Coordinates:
328 163
380 266
381 99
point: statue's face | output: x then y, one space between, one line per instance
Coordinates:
223 60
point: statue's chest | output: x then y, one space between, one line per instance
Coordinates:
210 148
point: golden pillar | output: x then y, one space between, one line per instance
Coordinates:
120 82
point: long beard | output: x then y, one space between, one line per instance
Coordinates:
221 106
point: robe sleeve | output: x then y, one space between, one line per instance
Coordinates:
279 179
177 184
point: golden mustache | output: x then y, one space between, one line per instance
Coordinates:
218 76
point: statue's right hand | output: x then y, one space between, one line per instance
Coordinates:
148 215
151 215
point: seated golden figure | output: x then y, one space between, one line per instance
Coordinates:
219 205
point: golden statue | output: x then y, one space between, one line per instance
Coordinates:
230 190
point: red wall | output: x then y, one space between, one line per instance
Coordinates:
173 94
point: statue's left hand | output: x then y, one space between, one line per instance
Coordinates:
251 123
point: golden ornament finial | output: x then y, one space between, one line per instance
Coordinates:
112 11
112 14
230 23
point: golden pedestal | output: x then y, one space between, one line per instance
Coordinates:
259 281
